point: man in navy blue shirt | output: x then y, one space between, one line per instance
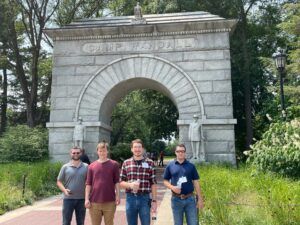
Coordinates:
182 178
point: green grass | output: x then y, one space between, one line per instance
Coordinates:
40 181
244 196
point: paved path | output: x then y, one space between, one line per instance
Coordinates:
48 211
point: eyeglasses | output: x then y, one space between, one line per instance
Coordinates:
75 153
180 151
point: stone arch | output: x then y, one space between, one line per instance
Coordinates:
112 82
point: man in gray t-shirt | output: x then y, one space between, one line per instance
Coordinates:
71 181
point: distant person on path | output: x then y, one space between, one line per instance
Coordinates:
161 158
71 181
138 178
182 178
84 158
102 193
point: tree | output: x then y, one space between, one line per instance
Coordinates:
291 28
3 67
26 20
70 10
136 117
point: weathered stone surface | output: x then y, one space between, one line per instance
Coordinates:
217 65
205 86
203 55
61 115
210 75
68 61
191 65
222 86
230 158
94 67
219 111
214 99
217 147
220 135
65 103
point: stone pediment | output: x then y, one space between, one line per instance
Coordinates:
153 25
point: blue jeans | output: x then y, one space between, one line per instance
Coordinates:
184 206
71 205
138 205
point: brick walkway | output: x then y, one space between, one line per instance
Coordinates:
48 211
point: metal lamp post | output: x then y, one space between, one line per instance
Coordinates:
280 62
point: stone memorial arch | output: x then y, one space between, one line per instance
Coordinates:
185 56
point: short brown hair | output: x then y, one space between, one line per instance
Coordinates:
102 144
75 148
181 146
137 141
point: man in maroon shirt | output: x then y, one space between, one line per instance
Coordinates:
102 192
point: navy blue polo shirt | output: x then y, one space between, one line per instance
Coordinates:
175 170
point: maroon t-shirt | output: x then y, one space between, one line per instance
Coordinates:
103 177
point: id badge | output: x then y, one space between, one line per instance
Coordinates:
182 180
145 165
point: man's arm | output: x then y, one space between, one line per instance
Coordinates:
200 203
172 187
117 189
61 186
154 197
87 202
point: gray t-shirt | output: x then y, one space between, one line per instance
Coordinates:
73 179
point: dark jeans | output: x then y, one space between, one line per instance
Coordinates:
71 205
138 205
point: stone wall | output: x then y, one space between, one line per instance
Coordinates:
91 75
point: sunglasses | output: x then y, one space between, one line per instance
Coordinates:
180 151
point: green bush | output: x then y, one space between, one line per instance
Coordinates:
40 181
120 152
170 149
21 143
279 150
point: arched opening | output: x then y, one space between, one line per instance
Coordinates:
146 114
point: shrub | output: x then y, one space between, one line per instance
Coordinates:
21 143
120 152
170 149
279 150
40 181
158 146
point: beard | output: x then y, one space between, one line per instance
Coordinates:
76 158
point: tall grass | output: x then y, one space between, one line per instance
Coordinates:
22 183
244 196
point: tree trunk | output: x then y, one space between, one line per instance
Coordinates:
4 103
246 80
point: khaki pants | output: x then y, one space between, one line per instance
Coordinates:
98 210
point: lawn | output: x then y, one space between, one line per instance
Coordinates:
232 196
22 183
244 196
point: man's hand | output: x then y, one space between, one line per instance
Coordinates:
67 192
87 204
176 189
153 206
118 200
135 186
200 203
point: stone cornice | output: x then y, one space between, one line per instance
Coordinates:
209 122
72 124
141 30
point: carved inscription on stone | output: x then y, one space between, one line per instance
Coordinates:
156 45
